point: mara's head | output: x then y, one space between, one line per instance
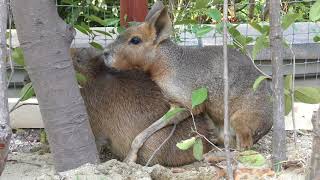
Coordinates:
137 47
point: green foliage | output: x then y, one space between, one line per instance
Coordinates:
261 43
199 96
172 112
316 38
288 20
215 14
186 144
251 158
258 81
27 92
198 149
310 95
17 56
81 78
96 45
201 30
315 11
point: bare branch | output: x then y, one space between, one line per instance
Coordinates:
226 91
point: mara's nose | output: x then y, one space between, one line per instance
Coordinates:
106 52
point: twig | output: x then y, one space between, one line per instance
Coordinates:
10 43
24 104
19 100
292 98
226 90
162 144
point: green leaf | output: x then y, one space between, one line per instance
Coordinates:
201 31
200 4
258 81
199 96
252 158
215 14
198 149
27 92
261 43
186 144
288 104
103 32
288 82
17 56
288 20
316 38
105 22
172 112
308 95
96 19
315 11
81 29
96 45
234 31
81 78
257 26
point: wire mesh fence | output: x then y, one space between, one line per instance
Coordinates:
102 17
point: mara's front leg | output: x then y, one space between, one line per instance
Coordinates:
251 122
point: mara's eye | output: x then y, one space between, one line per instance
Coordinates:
135 40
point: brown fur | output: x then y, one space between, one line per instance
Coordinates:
122 104
179 70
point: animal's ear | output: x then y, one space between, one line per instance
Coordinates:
159 20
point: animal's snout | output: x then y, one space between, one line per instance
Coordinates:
107 58
106 53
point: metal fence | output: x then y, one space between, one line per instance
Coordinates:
299 36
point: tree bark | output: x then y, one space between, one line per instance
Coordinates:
251 9
279 134
315 156
226 128
5 130
45 39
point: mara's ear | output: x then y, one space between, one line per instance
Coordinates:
157 6
161 23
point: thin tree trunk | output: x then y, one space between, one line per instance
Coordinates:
5 130
251 9
226 128
265 12
315 157
279 134
45 39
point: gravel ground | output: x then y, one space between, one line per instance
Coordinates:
28 160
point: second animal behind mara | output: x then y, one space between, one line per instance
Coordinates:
179 70
122 104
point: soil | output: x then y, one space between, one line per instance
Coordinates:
28 160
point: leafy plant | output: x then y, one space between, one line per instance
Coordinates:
251 158
198 97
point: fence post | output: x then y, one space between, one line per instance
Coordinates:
132 10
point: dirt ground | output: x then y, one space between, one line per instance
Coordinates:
28 161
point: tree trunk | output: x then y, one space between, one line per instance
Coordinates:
251 9
45 39
315 157
5 130
279 134
226 120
